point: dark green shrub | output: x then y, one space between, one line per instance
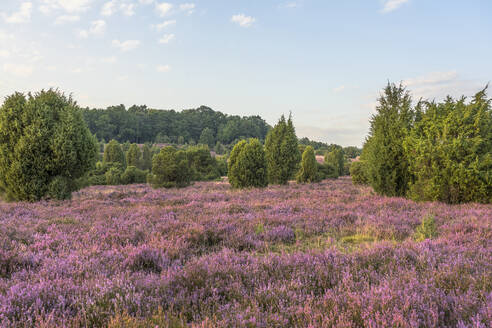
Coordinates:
146 163
203 165
207 137
60 188
113 153
336 159
327 171
450 151
133 155
43 138
247 165
96 180
309 167
282 152
358 173
133 175
170 168
113 176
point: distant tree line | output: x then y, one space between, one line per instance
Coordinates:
435 151
140 124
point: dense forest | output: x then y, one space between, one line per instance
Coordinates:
140 124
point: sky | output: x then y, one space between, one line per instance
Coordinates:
325 61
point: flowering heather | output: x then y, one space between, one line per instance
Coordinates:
315 255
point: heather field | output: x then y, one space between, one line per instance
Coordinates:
319 255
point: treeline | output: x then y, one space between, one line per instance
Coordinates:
429 151
139 124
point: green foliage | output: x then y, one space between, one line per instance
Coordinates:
387 164
352 152
327 171
45 146
309 167
282 152
113 153
358 173
170 168
133 174
336 159
203 165
247 165
146 163
113 176
426 230
133 155
450 151
181 140
207 137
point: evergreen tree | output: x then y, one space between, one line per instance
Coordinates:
45 146
207 137
387 164
282 152
309 167
247 165
336 159
450 151
146 158
114 154
133 155
170 168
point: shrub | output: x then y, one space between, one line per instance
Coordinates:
309 167
282 152
203 165
146 163
336 159
358 173
450 151
133 155
43 138
426 230
60 188
247 165
327 171
170 168
133 175
113 176
207 137
113 153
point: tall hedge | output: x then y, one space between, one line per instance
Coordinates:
450 151
45 146
309 167
247 165
282 152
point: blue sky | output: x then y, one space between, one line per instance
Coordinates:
326 61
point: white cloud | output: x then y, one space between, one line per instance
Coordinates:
163 8
242 20
163 68
163 25
84 34
19 70
126 45
108 8
109 60
111 7
128 9
70 6
292 4
21 16
188 7
339 89
146 2
166 38
66 19
97 28
390 5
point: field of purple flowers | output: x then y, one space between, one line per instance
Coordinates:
319 255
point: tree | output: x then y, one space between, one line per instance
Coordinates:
387 163
309 167
114 154
133 175
358 173
133 155
45 146
247 165
170 168
203 165
450 151
336 159
207 137
282 153
146 158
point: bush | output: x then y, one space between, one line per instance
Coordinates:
113 176
203 165
133 155
170 168
146 162
282 152
247 165
336 159
358 173
309 167
327 171
133 175
113 153
450 152
43 138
